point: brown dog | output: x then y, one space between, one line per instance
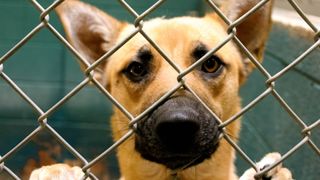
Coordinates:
180 135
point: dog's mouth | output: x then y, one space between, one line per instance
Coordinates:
178 134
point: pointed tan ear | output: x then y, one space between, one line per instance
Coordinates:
90 31
253 31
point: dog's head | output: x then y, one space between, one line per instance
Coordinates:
181 131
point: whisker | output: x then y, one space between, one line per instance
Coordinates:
174 173
232 136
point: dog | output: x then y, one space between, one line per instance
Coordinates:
180 138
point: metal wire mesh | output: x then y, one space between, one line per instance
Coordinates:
44 125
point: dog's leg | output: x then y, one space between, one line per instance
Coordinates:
277 173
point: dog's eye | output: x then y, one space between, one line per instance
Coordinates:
211 65
136 71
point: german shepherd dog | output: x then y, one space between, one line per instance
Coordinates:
180 138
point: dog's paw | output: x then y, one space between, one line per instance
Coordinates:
276 173
57 172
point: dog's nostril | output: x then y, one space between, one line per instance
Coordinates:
177 135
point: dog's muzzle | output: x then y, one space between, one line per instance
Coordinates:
178 134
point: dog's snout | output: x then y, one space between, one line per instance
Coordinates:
177 131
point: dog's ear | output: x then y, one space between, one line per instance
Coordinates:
253 31
90 31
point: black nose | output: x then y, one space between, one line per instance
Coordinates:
177 131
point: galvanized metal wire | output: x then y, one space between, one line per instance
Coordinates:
43 115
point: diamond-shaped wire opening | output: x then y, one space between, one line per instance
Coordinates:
299 59
256 140
279 49
15 32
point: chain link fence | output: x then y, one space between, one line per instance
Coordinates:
43 115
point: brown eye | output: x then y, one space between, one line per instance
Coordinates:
136 71
211 65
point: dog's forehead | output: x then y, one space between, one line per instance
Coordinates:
175 36
178 30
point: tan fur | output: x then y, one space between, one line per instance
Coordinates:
180 43
93 32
